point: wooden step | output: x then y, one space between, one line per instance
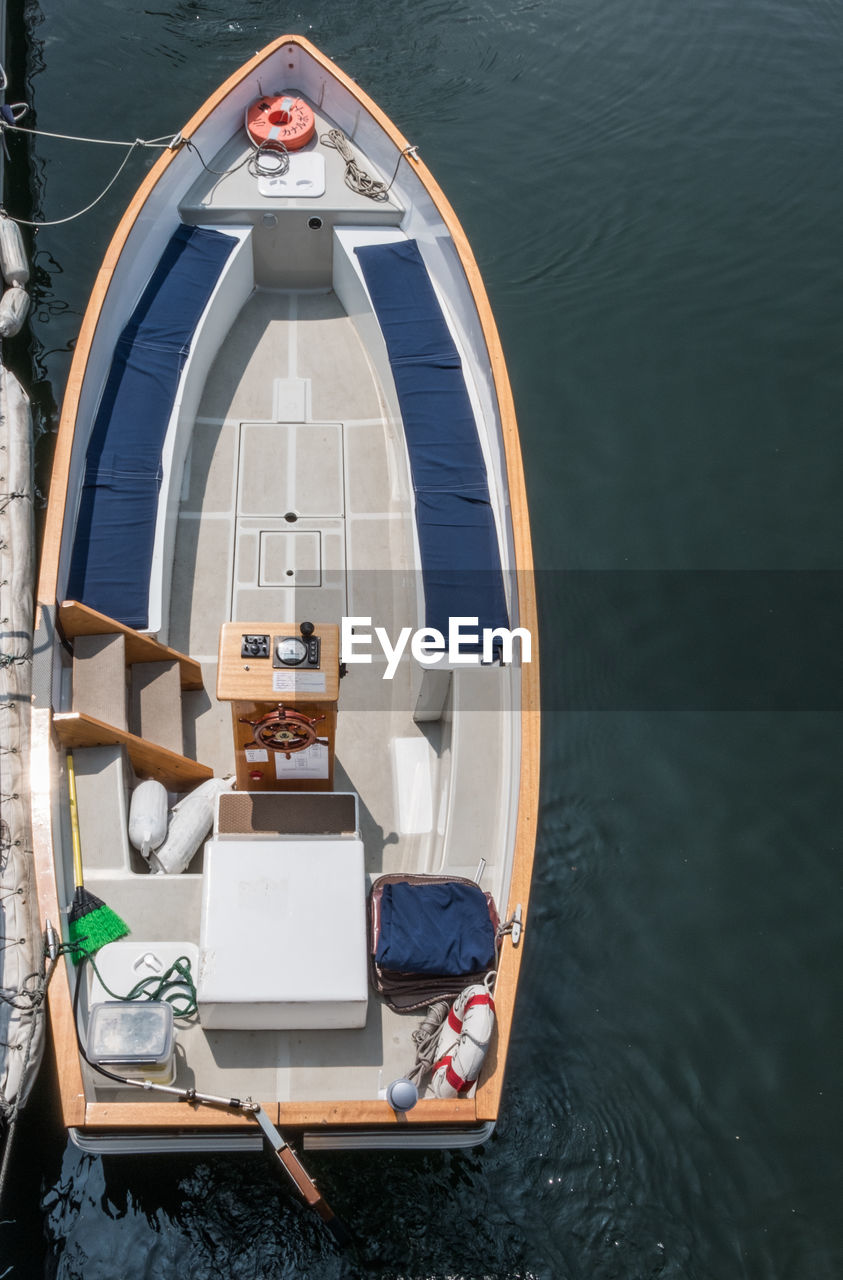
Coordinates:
75 729
78 619
156 703
99 678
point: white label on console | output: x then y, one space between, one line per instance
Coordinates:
298 681
312 763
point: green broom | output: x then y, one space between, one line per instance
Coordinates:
91 924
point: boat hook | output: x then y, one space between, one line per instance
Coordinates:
290 1162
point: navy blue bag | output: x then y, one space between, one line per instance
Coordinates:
440 928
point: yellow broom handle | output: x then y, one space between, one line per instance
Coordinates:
74 823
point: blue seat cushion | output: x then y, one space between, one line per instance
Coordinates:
115 528
458 543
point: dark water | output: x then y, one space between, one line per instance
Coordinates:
654 192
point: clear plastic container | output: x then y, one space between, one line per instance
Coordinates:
133 1038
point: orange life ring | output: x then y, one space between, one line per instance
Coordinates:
283 118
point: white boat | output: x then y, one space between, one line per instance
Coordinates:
288 416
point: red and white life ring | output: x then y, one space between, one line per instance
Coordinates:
463 1041
281 118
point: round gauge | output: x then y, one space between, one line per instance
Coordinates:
291 651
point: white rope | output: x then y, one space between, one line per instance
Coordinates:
265 147
355 177
160 143
425 1038
103 142
58 222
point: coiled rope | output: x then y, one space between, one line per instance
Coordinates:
355 177
175 986
425 1038
256 159
266 147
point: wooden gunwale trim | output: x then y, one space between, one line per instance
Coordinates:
59 1003
294 1115
489 1091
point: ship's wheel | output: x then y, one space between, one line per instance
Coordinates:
284 730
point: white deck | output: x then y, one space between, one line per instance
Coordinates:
293 420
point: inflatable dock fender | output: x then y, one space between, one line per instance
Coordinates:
13 262
190 823
14 304
148 816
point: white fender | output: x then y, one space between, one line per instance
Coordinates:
463 1041
190 821
148 816
14 305
13 263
